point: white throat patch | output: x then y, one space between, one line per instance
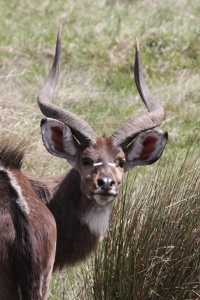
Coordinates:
97 218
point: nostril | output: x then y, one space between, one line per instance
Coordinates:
112 183
100 182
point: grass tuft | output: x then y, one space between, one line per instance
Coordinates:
152 250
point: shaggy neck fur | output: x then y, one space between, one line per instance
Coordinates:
79 220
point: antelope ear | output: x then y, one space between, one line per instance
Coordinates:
58 139
145 149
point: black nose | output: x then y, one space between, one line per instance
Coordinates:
106 183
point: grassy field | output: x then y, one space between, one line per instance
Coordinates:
96 82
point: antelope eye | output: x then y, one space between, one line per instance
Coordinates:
121 163
86 161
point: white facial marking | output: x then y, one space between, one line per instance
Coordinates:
112 164
89 176
101 163
97 164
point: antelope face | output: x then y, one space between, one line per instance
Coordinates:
102 168
101 161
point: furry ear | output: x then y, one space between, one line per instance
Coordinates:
145 149
58 139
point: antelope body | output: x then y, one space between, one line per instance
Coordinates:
47 224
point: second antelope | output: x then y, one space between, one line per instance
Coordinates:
77 204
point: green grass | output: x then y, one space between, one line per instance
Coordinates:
96 79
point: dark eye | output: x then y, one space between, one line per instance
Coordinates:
121 163
86 161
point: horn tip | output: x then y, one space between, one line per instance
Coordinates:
59 33
137 46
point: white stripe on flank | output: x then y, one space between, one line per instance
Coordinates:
20 199
19 293
42 282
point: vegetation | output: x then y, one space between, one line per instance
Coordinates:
152 248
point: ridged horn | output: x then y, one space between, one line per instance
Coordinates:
125 134
80 129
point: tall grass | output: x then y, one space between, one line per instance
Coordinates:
152 250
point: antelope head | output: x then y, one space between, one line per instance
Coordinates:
101 161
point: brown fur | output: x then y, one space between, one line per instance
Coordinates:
67 211
103 145
27 239
11 155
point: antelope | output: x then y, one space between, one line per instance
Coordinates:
47 224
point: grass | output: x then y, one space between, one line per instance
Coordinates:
152 250
96 81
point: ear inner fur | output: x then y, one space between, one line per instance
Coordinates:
57 138
149 145
145 149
